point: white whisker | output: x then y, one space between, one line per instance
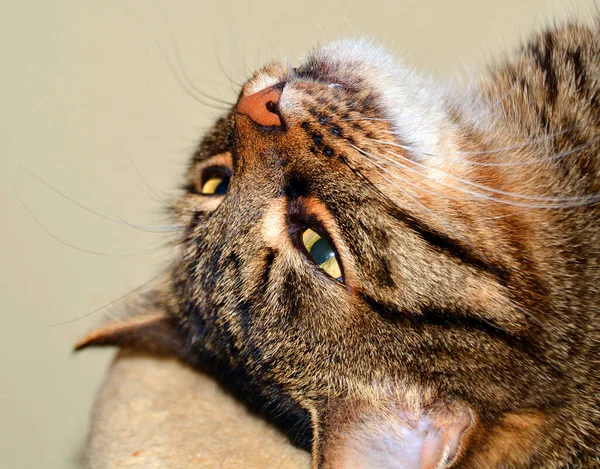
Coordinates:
560 202
73 246
165 56
121 298
116 220
519 146
451 228
187 77
152 191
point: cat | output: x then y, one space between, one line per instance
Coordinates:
402 274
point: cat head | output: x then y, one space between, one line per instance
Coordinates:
326 271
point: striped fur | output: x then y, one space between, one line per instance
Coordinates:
467 227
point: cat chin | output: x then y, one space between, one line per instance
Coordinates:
416 106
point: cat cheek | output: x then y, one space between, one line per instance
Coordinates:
274 229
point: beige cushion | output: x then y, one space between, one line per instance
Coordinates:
155 412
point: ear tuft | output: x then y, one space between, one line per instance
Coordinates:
157 333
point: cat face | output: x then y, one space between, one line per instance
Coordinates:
309 267
365 256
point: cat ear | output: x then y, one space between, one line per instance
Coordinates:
154 333
366 436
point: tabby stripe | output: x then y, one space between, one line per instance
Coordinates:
438 240
543 59
578 71
269 258
441 318
245 308
454 248
190 229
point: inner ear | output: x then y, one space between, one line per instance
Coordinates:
157 333
354 434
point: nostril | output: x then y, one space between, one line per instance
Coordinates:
272 107
263 107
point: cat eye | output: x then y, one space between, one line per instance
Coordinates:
321 252
215 181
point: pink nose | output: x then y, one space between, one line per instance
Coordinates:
262 107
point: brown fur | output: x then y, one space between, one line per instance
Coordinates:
456 297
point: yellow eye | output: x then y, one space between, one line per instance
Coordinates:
215 185
321 253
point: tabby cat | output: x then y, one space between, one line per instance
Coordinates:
400 274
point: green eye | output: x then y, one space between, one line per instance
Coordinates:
215 185
321 253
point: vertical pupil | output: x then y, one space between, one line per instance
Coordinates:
321 251
222 187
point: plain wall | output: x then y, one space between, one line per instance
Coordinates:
88 101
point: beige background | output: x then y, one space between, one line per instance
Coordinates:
85 91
